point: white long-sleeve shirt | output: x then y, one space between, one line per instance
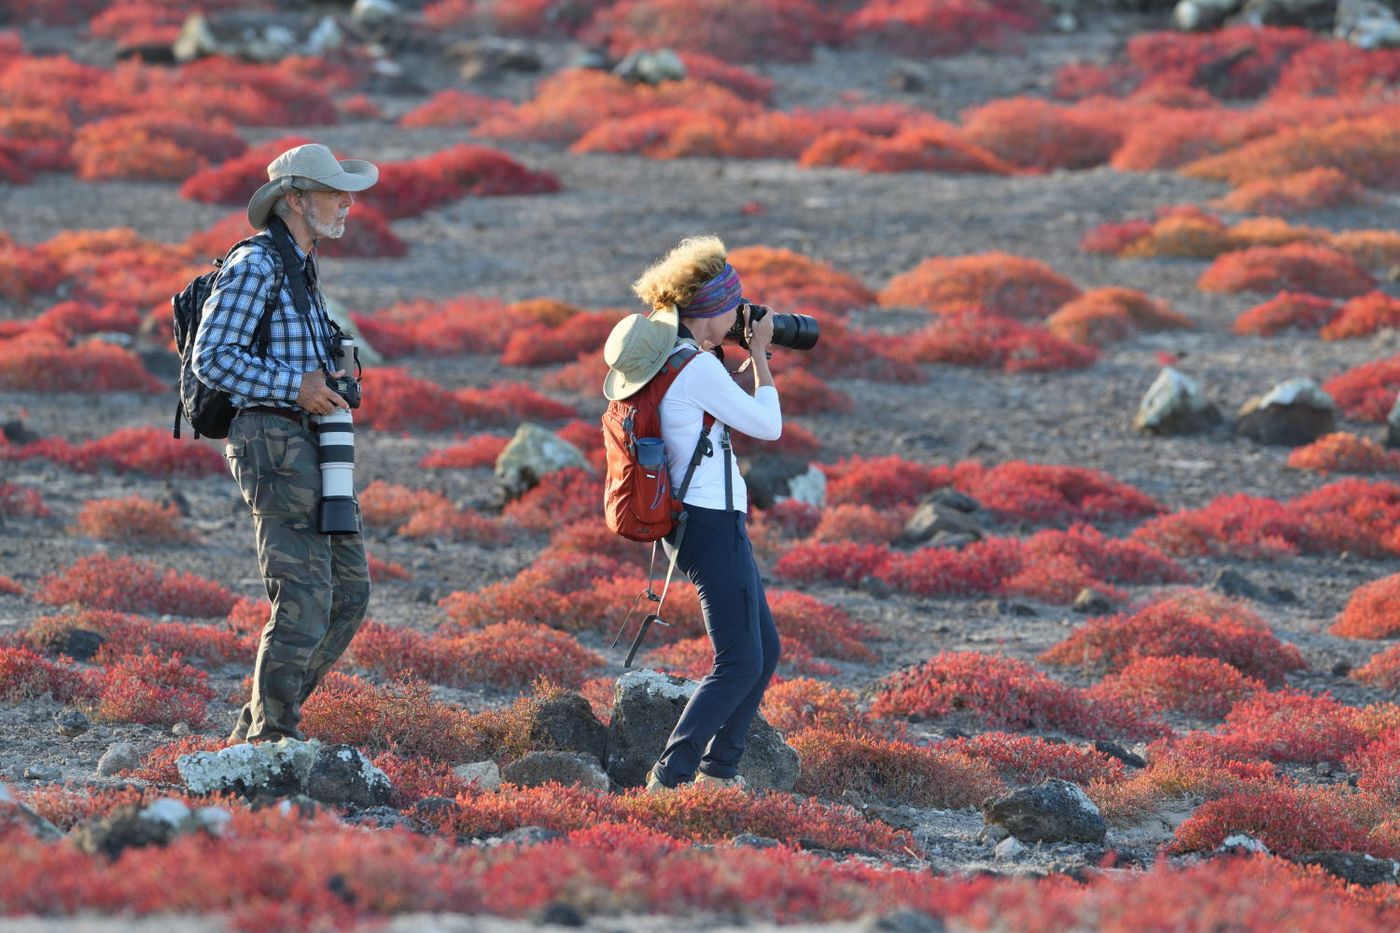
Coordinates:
704 385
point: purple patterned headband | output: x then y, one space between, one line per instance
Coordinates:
719 295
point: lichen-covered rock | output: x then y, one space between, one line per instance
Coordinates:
482 775
567 768
342 776
1355 867
932 517
643 67
1051 811
120 756
646 709
156 823
265 769
1367 24
12 812
532 454
770 479
1175 405
1293 413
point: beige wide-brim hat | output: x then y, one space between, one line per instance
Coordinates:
312 163
636 350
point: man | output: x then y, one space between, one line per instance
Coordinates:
318 584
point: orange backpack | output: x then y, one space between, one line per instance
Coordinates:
638 501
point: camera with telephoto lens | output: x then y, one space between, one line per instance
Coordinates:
339 512
794 331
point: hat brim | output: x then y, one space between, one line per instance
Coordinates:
354 175
618 385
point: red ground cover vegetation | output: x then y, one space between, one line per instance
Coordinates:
924 28
1001 283
21 502
1029 759
479 450
1294 267
789 281
1378 765
100 581
802 703
400 716
1034 493
694 814
406 189
543 343
126 634
1344 453
1366 392
1205 687
1373 611
454 107
1349 514
1107 315
731 30
1003 693
1363 316
1292 821
860 524
152 689
40 361
126 450
397 401
1287 726
1039 135
152 146
509 655
437 328
453 524
1375 250
25 674
132 519
1382 670
974 337
835 761
1178 774
1362 149
1286 311
1310 190
391 504
1188 624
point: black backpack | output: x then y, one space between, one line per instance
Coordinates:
209 411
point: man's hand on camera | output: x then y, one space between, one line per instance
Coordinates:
318 398
760 331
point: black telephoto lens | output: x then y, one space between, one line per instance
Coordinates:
795 331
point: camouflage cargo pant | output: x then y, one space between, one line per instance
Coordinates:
318 584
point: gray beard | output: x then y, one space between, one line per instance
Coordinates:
333 229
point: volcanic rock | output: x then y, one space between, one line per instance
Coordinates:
647 706
1175 405
538 768
119 757
1051 811
531 455
342 776
1292 413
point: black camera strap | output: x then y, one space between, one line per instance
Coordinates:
300 277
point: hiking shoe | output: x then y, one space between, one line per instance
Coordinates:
709 780
654 785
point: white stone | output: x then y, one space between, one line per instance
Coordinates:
1009 848
207 772
375 12
213 819
326 37
1085 802
483 775
1172 391
166 810
1242 841
657 684
809 487
1298 391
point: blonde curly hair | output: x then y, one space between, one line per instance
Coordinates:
676 278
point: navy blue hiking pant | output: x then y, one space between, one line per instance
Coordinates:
715 554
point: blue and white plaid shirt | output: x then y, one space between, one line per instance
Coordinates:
225 346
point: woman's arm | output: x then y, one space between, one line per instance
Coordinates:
709 386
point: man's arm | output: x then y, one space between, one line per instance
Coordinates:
224 356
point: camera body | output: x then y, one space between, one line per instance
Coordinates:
793 331
346 386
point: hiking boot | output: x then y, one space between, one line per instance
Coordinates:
654 785
709 780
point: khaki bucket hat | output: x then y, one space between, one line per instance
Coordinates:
317 168
636 350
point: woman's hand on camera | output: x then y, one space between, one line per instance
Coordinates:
760 331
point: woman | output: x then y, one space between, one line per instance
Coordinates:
696 292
